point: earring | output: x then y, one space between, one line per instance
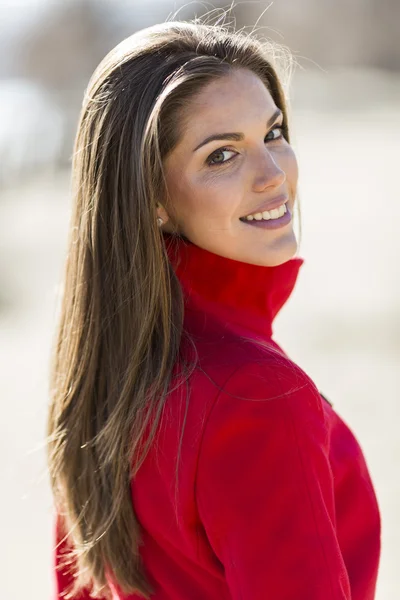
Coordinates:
159 221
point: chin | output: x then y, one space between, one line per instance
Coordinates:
272 257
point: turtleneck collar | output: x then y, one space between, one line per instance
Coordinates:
242 296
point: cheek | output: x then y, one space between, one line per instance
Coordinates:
223 192
179 191
208 196
288 163
191 196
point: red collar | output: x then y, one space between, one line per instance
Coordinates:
237 293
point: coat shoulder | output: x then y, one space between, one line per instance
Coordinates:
273 376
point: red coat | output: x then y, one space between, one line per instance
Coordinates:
274 500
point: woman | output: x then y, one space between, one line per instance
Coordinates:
190 457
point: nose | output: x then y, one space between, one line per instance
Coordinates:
268 173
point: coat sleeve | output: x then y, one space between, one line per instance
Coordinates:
265 489
62 578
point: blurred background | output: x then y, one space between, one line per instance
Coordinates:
342 323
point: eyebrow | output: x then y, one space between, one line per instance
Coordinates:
236 137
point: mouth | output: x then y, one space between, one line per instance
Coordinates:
267 207
275 212
276 222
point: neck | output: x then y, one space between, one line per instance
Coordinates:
243 297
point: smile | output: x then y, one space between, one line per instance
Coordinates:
269 223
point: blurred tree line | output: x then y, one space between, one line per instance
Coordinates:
59 47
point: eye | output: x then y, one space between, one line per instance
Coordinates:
276 128
219 152
212 163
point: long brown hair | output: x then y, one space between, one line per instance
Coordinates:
120 332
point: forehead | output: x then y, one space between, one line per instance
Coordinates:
231 103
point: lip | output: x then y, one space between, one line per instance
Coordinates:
270 205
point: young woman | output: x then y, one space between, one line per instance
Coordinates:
190 457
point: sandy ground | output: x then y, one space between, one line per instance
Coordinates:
342 324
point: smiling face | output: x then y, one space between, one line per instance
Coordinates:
212 185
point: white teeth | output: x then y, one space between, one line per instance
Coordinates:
268 214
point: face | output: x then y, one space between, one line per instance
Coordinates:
213 185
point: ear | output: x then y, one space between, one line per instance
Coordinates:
161 212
